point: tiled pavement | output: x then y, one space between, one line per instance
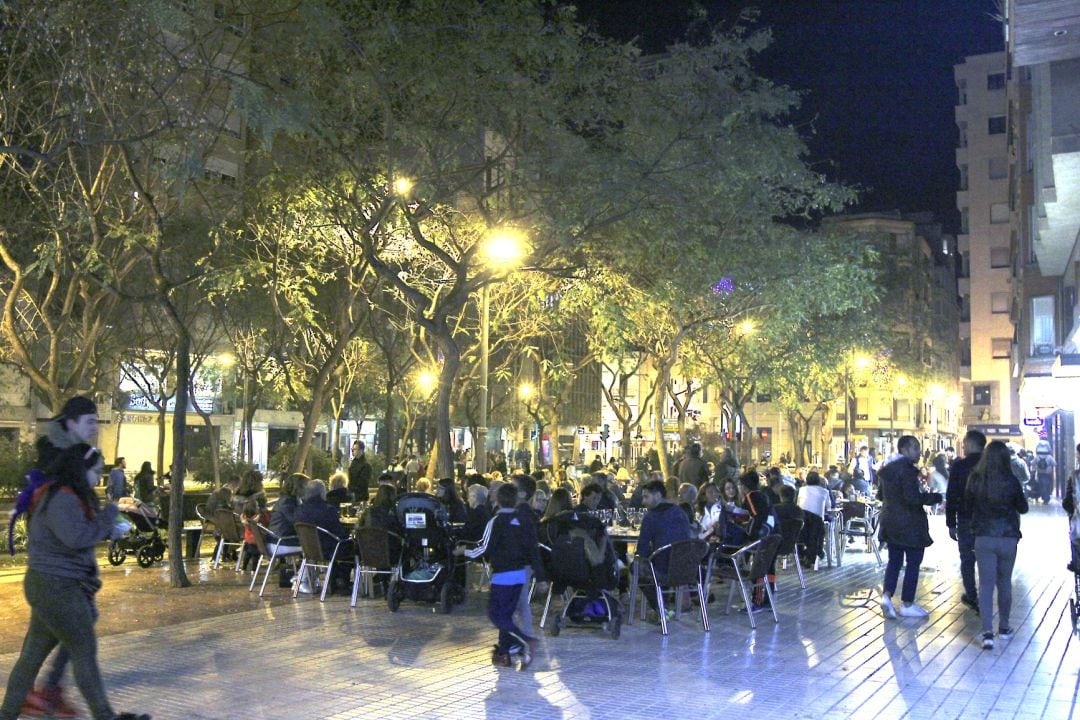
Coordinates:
831 656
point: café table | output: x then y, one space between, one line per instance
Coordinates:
629 535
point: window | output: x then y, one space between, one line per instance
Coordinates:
963 134
999 303
965 265
965 308
980 394
999 168
999 213
965 351
995 81
965 221
961 88
1042 325
1000 257
963 177
996 125
1000 348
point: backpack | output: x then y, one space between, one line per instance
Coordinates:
35 479
1042 465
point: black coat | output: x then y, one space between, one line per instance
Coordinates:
903 521
995 505
359 478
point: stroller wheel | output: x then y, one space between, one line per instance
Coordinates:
116 553
445 598
553 626
615 627
145 556
393 598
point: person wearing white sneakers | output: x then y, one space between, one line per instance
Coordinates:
995 501
903 527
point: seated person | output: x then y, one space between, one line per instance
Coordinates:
476 515
316 511
713 520
339 494
380 514
758 518
446 491
687 497
664 524
591 496
281 521
814 499
787 509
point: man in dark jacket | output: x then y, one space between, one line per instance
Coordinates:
693 469
904 527
664 524
316 511
359 473
957 517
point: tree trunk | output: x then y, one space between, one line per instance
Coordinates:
161 415
177 572
625 442
447 376
119 427
388 422
555 459
663 372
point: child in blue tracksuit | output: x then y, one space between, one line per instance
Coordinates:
508 544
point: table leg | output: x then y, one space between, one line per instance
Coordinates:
635 566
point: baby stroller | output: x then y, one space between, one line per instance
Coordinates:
582 567
425 572
143 539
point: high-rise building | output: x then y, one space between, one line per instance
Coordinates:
988 384
1043 45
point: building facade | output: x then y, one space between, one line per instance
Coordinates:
988 385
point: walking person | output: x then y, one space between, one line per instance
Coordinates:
903 527
995 501
66 521
957 517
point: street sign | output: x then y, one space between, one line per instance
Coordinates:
1033 422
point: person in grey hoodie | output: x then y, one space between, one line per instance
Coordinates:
995 501
66 521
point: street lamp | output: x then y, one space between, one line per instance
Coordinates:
403 186
426 382
504 249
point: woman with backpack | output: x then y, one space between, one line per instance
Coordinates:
66 521
995 500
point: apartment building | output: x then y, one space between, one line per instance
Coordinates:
988 385
1043 68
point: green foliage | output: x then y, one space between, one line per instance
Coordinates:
321 463
16 459
201 466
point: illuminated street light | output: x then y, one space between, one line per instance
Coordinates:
526 391
226 359
862 362
403 186
503 248
427 381
747 327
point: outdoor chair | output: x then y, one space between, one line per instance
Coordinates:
743 565
684 570
790 530
378 552
313 557
231 531
273 551
859 522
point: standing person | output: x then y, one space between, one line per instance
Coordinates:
862 471
1043 470
66 522
117 486
693 469
359 473
1069 504
995 501
904 527
508 544
956 514
144 482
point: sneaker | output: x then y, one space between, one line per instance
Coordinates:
1006 633
36 704
912 611
988 641
971 601
887 607
499 659
527 651
754 608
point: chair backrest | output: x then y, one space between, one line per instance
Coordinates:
228 524
259 532
790 529
373 547
853 509
200 512
309 542
684 561
763 556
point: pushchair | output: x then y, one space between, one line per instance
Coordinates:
581 566
143 539
426 569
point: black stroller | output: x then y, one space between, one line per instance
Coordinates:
426 571
581 565
143 539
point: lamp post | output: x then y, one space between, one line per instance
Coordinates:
504 248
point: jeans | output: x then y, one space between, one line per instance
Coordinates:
996 557
903 556
966 543
60 612
502 600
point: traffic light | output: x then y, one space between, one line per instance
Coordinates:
605 432
763 434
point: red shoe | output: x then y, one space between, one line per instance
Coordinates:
47 702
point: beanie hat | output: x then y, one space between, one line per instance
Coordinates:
77 407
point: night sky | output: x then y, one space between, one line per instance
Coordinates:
876 78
